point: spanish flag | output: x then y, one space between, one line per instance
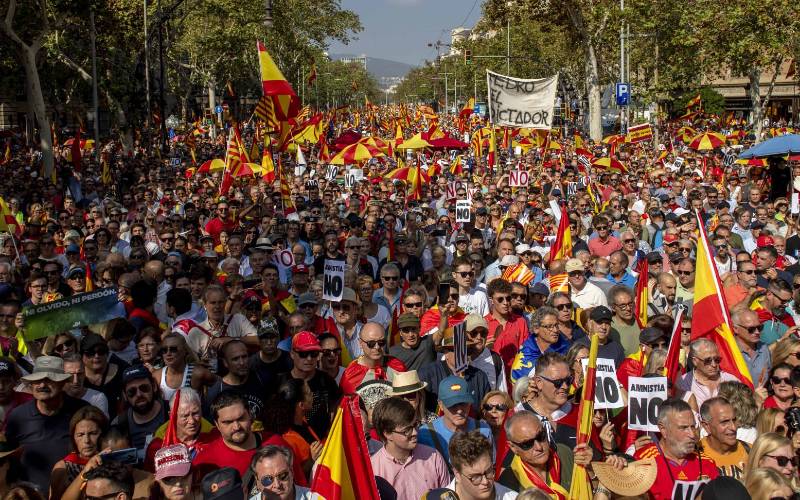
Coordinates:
273 83
642 294
580 487
286 192
673 366
468 109
8 223
695 101
267 164
710 317
562 247
312 75
344 470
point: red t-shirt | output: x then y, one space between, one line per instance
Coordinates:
510 339
693 468
356 373
217 454
217 225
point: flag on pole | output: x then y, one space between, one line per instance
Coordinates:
672 366
695 101
286 193
7 154
492 150
76 150
581 487
562 247
312 75
344 470
273 83
710 318
8 223
642 293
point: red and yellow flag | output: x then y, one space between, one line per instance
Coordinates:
562 247
468 109
673 368
642 294
695 101
710 318
7 154
492 150
344 470
8 223
273 83
581 487
519 273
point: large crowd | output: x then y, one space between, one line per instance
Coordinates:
221 316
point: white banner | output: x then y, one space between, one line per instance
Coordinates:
606 392
333 280
644 397
519 102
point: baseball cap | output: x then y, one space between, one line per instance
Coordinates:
654 258
268 326
300 268
574 265
474 321
172 461
72 248
462 237
223 484
407 320
765 241
454 390
135 372
649 335
75 270
305 341
509 260
307 298
600 313
541 289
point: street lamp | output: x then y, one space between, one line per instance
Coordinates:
268 11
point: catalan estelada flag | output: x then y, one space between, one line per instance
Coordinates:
710 317
580 487
344 470
642 294
562 247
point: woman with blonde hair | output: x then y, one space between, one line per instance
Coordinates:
494 409
773 451
766 484
371 311
770 420
655 362
787 351
745 408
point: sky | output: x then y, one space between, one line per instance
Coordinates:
400 30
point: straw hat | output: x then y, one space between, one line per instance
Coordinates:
635 479
406 383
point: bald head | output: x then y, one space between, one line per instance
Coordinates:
154 270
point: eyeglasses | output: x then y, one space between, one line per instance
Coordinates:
659 345
96 352
466 274
564 307
412 305
307 354
625 305
528 443
684 273
69 344
501 299
143 388
331 352
629 240
267 480
476 479
784 461
408 431
707 361
751 329
520 296
560 382
498 407
601 228
374 343
753 271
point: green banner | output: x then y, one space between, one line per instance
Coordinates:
73 312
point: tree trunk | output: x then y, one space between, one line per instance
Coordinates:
36 100
212 100
593 92
756 109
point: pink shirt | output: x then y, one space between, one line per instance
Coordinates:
424 470
604 248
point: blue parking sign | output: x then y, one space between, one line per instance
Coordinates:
623 94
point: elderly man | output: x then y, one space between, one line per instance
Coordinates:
536 463
741 285
623 325
584 294
272 467
675 454
747 330
702 383
545 339
373 364
618 271
598 277
717 416
389 294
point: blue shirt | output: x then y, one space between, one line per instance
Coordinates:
627 280
759 364
379 298
530 352
442 435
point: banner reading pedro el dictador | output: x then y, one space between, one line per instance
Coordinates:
73 312
520 102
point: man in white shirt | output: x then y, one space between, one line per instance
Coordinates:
471 300
487 361
584 294
207 337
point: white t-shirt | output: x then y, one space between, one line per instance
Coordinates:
500 491
590 296
475 302
96 399
238 326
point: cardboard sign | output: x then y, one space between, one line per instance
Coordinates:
796 203
463 208
452 189
687 490
517 150
76 311
645 395
678 163
518 178
572 189
350 179
729 159
333 281
607 394
331 172
460 343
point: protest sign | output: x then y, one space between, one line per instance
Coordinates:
463 208
645 395
284 259
519 102
452 189
460 343
606 393
73 312
678 163
518 178
331 172
795 203
333 281
687 490
350 179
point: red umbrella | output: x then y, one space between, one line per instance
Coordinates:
447 143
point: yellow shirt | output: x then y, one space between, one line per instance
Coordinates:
728 464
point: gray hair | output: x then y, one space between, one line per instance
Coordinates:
390 267
541 313
270 451
708 404
6 265
580 253
521 388
520 415
699 344
188 396
670 406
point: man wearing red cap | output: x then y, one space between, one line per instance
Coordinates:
374 363
300 279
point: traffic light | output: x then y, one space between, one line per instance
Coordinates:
467 56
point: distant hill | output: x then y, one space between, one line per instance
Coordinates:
384 70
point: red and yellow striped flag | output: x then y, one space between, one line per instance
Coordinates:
581 487
562 247
8 223
673 368
344 470
492 150
519 273
710 318
642 294
273 83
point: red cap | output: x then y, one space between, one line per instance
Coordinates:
305 341
765 241
670 238
300 268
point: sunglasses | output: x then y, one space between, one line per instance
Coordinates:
412 305
331 352
501 299
374 343
753 271
498 407
466 274
783 461
684 273
563 307
390 278
780 380
560 382
526 445
707 361
307 354
64 345
520 296
96 352
170 349
751 329
266 481
143 388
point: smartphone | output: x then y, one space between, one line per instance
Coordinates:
444 293
126 456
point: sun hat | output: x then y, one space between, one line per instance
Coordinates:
406 383
635 479
172 461
48 367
